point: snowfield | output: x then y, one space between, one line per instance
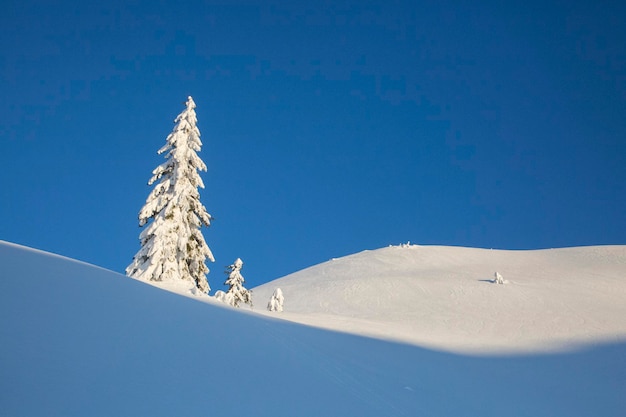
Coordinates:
445 298
78 340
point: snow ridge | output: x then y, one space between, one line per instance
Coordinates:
444 297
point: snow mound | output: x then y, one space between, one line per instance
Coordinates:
77 340
445 297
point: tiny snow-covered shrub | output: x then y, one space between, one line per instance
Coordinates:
402 245
221 296
277 300
497 278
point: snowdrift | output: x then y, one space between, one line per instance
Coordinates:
445 298
77 340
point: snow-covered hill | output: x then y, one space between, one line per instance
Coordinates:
443 297
77 340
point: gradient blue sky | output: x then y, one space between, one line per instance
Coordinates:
328 127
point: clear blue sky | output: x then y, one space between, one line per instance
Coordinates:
328 127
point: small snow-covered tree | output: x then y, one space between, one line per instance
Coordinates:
497 278
236 293
172 245
277 300
222 296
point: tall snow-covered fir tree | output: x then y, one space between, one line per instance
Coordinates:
172 245
236 293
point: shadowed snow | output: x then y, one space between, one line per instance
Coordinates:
77 340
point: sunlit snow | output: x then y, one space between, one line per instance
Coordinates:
77 340
445 297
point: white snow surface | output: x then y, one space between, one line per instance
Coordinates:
78 340
445 297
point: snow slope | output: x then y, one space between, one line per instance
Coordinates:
77 340
444 298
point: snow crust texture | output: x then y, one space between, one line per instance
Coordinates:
77 340
447 297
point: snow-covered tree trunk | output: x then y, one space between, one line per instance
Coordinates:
277 300
172 245
236 293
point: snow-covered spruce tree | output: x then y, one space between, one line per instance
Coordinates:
172 245
236 293
277 300
497 278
